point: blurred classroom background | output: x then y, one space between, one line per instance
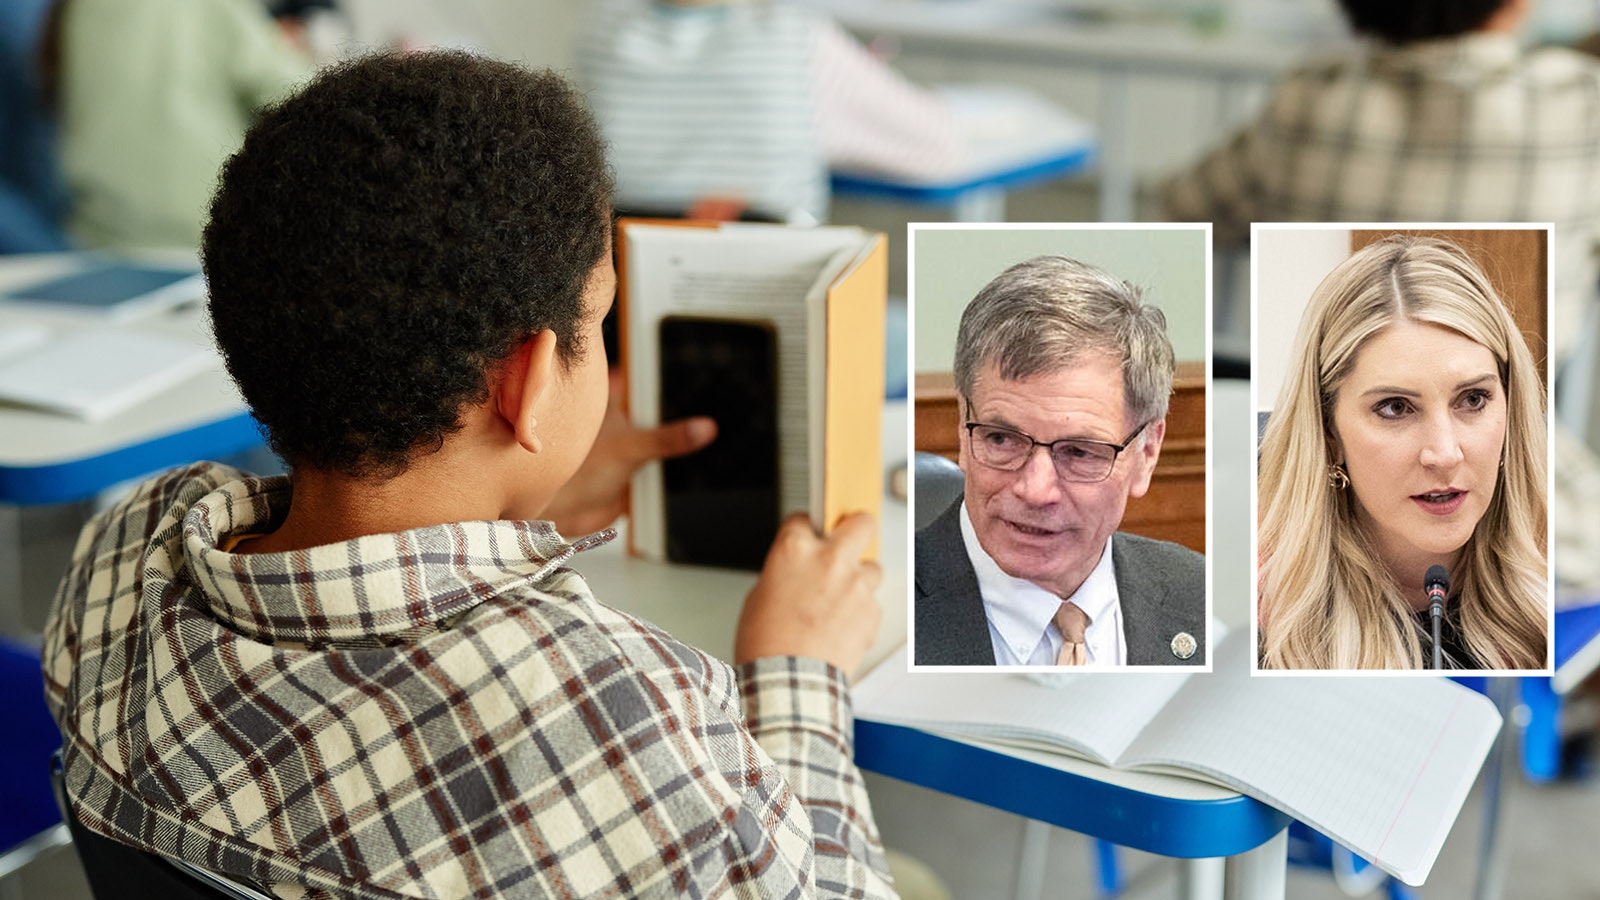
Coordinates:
1100 101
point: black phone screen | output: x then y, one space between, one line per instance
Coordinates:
722 501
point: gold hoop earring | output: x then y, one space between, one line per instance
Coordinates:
1338 479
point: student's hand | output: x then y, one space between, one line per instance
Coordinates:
597 494
815 598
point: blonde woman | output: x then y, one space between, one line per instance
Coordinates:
1409 433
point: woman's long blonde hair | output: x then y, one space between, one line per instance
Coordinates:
1326 600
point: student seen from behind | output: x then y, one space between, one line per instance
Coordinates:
382 675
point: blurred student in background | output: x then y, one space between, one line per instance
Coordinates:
1441 117
32 196
751 103
154 95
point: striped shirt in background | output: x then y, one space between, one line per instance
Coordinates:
442 712
751 102
1470 129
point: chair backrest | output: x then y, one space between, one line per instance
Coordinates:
116 870
937 482
30 826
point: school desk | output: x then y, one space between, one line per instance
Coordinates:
1233 58
50 458
1016 139
1232 845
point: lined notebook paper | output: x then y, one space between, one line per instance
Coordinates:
1381 765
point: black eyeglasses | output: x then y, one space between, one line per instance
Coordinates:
1076 460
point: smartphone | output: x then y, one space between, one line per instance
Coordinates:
721 501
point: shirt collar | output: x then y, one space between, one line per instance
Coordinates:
1470 54
1021 610
1098 593
383 587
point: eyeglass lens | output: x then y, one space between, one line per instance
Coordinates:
1074 460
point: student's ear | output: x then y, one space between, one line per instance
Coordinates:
527 373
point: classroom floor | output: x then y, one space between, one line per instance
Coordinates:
1549 834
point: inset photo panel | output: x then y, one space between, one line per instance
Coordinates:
1404 459
1059 492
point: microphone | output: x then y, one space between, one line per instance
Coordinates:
1437 583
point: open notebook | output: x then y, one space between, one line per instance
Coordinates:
1381 765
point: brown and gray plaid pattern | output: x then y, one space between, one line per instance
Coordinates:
1465 130
443 712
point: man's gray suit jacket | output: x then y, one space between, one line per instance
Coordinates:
1162 588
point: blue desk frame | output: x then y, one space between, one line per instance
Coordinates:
1187 829
69 480
953 194
78 479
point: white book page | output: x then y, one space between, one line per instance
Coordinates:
748 274
1380 764
1096 716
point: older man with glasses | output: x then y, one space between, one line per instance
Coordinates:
1063 374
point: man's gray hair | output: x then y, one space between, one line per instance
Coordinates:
1046 313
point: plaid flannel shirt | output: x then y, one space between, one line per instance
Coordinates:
442 712
1471 129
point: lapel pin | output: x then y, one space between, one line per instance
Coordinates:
1183 645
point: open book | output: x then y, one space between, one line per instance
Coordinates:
804 309
1381 765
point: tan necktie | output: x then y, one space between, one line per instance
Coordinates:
1072 621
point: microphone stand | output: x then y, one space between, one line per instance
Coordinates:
1437 583
1436 612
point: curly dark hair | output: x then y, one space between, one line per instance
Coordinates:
387 235
1408 21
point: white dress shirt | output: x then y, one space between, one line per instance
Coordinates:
1022 615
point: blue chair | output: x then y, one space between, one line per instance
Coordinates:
937 482
34 800
30 825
